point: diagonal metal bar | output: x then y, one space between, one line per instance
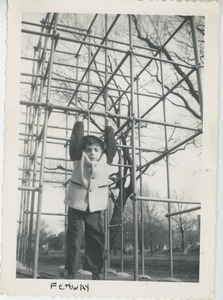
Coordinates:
158 158
169 91
182 211
158 51
110 79
89 29
169 151
93 58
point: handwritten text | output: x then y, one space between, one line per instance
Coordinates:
70 286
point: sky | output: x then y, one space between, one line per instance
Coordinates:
185 166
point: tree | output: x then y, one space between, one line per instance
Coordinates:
150 31
155 233
154 80
44 233
185 222
56 242
154 225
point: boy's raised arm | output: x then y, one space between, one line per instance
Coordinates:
76 141
109 138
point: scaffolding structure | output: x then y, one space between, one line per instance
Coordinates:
100 73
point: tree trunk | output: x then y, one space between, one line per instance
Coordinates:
117 216
182 239
151 247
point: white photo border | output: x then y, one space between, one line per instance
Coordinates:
205 288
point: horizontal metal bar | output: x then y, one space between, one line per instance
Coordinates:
159 50
140 148
51 172
110 89
68 108
27 134
36 33
166 124
108 48
109 79
99 46
28 188
108 40
169 92
48 136
31 75
45 181
81 83
172 62
64 159
50 126
142 198
34 24
47 157
56 51
85 34
182 211
72 27
170 150
48 142
47 25
48 214
79 110
115 225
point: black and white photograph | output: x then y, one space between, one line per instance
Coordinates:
113 128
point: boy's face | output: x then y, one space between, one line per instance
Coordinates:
93 152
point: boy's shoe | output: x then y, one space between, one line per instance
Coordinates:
96 276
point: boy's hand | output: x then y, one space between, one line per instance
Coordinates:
83 115
108 122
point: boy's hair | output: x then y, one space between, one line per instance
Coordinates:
89 140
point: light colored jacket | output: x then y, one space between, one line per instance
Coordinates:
88 185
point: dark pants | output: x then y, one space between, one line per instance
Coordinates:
94 240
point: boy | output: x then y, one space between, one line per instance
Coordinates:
86 197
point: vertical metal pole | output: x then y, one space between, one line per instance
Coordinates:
26 193
133 123
40 196
29 146
197 62
107 230
168 176
66 157
121 194
141 187
66 178
21 247
37 116
19 234
32 118
170 224
76 96
88 80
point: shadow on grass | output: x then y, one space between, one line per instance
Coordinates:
185 267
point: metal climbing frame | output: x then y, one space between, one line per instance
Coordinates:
99 75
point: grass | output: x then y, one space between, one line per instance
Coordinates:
185 267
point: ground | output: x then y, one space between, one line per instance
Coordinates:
185 267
